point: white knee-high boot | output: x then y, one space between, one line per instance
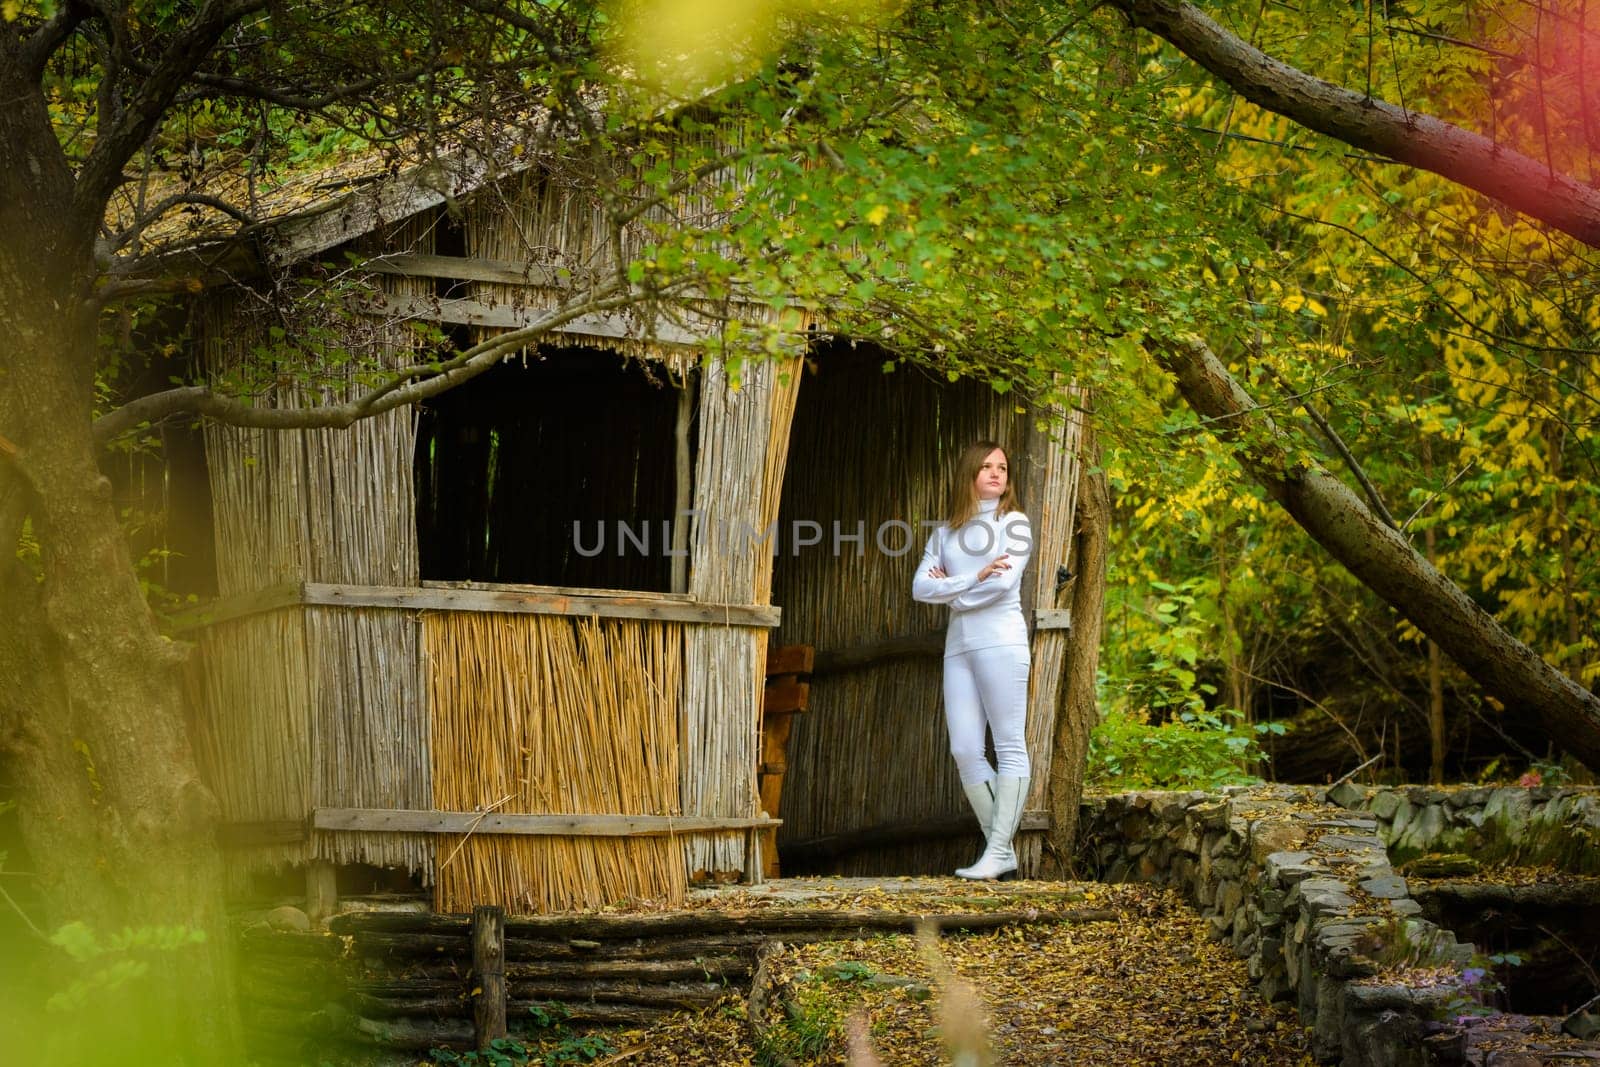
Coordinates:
981 796
999 858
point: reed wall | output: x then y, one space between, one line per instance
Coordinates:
346 724
557 715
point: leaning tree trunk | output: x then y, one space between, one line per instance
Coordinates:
1384 561
119 829
1078 710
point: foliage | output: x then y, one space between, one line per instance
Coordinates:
553 1043
1200 749
114 961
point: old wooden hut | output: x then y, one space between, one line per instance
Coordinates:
418 661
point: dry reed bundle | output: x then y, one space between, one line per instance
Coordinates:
316 505
871 751
370 745
246 707
741 446
554 714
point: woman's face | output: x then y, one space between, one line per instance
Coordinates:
993 476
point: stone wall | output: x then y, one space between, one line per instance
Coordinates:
1304 890
1503 824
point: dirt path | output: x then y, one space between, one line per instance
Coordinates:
1148 987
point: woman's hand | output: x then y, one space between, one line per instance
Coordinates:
1001 563
937 572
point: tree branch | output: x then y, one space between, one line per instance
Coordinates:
1333 438
130 233
1373 125
38 49
241 87
1382 559
408 386
120 138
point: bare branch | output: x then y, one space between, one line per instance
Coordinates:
139 225
409 386
118 139
1373 496
241 87
1373 125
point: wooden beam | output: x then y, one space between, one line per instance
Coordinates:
472 312
531 603
561 590
400 821
221 610
791 659
523 600
684 485
785 695
439 180
839 660
469 269
1052 619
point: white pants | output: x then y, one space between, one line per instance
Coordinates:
988 686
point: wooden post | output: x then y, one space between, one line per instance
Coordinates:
322 891
685 490
488 974
754 868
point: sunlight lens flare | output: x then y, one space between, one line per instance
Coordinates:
688 47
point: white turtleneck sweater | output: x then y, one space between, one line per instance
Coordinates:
982 614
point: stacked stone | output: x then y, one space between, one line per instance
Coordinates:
1503 822
1304 891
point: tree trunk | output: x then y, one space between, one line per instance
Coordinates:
119 829
1078 710
1384 561
1373 125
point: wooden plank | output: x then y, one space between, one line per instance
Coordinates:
469 269
401 821
441 179
538 603
791 659
684 485
1052 619
488 974
563 590
785 694
775 740
838 660
468 311
222 609
522 600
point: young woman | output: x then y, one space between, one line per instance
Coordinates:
974 563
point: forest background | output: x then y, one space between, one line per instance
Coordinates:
1033 193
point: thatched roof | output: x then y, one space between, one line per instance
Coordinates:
310 210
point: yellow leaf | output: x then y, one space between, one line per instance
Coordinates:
878 214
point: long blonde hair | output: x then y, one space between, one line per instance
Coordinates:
964 491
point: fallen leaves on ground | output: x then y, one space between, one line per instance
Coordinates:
1147 988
